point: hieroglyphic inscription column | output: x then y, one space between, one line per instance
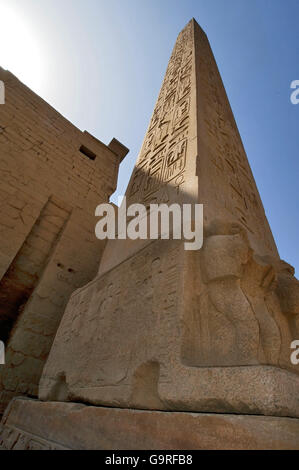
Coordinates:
167 150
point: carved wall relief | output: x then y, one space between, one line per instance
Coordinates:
248 305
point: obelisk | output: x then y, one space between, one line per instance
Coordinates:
161 328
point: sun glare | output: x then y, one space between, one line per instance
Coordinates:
19 48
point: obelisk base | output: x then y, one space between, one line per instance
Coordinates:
32 424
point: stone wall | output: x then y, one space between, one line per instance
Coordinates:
52 178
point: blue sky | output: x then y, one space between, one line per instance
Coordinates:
101 63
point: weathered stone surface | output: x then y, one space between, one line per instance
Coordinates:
166 329
49 190
31 424
144 352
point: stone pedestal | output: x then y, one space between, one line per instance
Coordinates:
30 424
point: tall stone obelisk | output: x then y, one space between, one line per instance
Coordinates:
161 328
192 151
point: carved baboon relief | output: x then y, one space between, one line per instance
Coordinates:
257 283
248 304
233 328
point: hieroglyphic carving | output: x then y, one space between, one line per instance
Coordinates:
116 321
163 154
181 112
13 438
175 160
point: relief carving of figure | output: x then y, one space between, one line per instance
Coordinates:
232 325
249 305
